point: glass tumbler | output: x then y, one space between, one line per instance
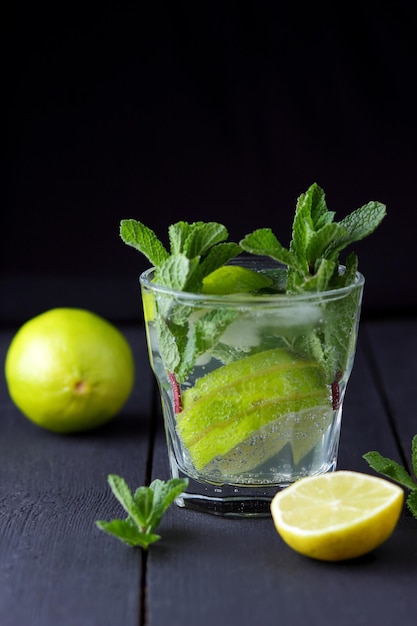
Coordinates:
251 385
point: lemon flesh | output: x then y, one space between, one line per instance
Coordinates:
231 279
69 370
337 516
274 392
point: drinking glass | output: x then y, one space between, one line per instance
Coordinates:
259 402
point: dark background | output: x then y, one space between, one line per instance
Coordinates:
222 111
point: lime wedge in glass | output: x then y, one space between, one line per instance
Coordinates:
270 398
234 279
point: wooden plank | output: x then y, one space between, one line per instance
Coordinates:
56 567
365 422
392 352
209 570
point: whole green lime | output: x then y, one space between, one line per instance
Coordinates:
69 370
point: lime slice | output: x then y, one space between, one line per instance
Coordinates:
239 404
148 303
300 430
234 279
336 516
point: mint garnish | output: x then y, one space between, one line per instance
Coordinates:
312 260
391 469
313 264
196 250
313 254
145 509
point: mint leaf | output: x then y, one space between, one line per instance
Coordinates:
411 502
320 214
264 243
178 234
319 281
218 256
176 272
204 334
303 227
164 494
321 239
364 221
172 341
128 533
144 501
202 237
391 469
144 240
145 509
122 492
358 225
195 239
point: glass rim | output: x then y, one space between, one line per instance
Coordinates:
251 299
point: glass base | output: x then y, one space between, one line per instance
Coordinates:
228 501
231 500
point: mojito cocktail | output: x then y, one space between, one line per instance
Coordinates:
252 345
262 405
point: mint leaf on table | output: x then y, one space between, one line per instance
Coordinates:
145 509
391 469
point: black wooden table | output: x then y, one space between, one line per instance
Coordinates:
58 569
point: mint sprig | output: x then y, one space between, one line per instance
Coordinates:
195 250
313 261
145 509
391 469
317 240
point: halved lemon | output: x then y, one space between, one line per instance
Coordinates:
336 516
